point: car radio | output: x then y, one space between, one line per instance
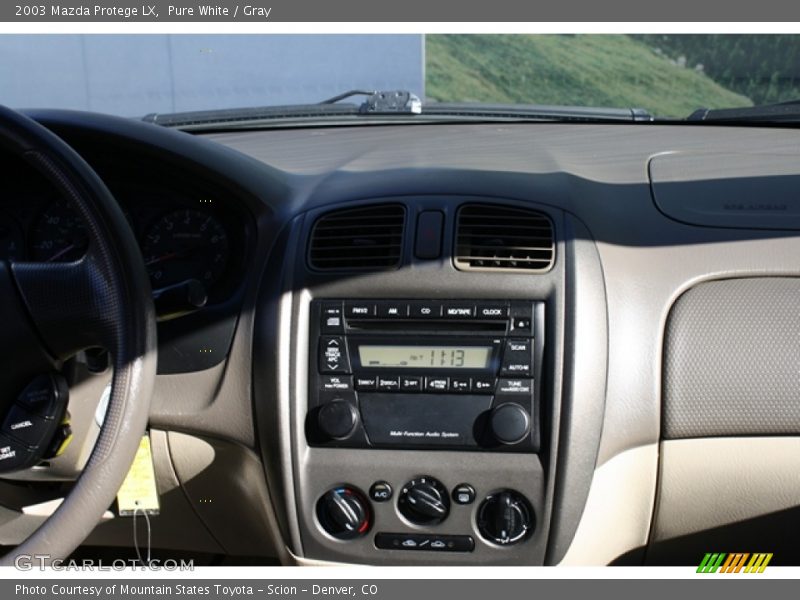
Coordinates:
409 374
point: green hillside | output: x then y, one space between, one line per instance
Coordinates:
588 70
765 68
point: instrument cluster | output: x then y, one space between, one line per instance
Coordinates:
183 234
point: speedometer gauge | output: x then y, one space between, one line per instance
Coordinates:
185 244
59 235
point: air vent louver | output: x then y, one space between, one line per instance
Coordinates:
499 238
368 239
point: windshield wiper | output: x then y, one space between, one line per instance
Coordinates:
381 106
397 102
537 112
782 112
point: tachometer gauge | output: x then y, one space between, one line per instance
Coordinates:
185 244
12 246
59 235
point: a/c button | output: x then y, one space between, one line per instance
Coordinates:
381 491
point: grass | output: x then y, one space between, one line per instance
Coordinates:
584 70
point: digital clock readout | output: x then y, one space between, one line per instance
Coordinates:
425 357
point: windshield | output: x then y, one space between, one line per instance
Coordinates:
133 75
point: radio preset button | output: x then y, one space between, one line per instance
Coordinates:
411 384
488 311
460 384
336 383
517 357
333 355
459 311
359 310
388 384
515 386
436 384
425 310
483 385
392 310
366 383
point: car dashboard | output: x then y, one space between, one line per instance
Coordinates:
451 343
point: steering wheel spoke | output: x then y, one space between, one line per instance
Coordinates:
69 305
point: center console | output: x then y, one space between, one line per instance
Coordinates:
425 374
412 416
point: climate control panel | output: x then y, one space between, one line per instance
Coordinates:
502 517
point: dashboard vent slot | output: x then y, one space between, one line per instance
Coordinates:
359 239
503 238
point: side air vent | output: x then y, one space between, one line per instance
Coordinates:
499 238
359 239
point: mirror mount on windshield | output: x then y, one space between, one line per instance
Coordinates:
397 101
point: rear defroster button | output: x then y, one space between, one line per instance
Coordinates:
463 493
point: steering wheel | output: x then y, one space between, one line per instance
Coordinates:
51 311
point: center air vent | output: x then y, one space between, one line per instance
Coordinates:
498 238
368 238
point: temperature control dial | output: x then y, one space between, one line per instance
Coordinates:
424 501
505 518
344 513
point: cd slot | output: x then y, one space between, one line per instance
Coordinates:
427 325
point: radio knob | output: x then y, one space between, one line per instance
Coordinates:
505 518
510 423
337 419
424 501
344 513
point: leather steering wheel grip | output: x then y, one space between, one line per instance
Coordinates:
111 297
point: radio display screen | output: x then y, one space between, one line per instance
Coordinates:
425 357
